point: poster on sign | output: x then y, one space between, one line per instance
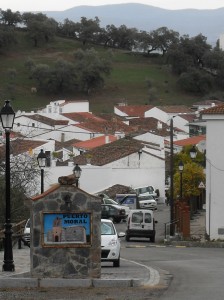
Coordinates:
69 229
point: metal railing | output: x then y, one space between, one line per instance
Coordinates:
167 228
17 236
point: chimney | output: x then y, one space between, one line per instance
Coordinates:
107 139
159 125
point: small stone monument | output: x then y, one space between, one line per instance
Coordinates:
65 232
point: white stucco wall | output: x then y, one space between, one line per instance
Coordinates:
62 106
157 114
214 176
129 172
118 112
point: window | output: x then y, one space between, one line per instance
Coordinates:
137 217
148 218
107 229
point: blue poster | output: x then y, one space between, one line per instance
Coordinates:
67 228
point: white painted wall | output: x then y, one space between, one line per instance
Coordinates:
157 114
118 112
150 170
214 175
62 106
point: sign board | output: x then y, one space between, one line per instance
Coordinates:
201 185
68 229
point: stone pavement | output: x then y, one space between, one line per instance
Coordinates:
197 226
130 274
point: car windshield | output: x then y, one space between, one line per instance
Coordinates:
107 228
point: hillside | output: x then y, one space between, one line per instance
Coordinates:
128 80
145 17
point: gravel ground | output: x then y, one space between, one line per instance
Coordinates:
141 293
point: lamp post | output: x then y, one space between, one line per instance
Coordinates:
41 159
193 152
181 168
7 115
77 171
171 180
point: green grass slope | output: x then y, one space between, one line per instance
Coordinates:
127 82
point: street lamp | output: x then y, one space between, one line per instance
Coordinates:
193 152
7 115
77 171
171 180
41 159
181 168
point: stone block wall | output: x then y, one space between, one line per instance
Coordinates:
63 261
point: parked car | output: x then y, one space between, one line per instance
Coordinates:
147 202
113 212
110 242
26 232
111 201
147 190
129 200
141 223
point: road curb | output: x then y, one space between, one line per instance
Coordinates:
27 283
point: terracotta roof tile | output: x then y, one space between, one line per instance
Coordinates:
20 146
95 142
134 110
175 109
190 141
109 127
110 152
48 121
149 124
82 117
215 110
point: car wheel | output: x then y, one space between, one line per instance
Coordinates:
116 263
127 238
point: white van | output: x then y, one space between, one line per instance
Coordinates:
141 223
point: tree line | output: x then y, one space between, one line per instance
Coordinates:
199 67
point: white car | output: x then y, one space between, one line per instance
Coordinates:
146 190
26 232
110 243
111 201
147 202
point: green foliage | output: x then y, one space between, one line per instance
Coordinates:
193 173
196 82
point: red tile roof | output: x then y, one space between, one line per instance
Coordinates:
215 110
95 142
175 109
109 127
134 110
190 141
108 153
20 146
82 117
47 120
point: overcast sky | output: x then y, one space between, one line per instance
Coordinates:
53 5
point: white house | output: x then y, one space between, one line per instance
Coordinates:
214 171
165 113
65 106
